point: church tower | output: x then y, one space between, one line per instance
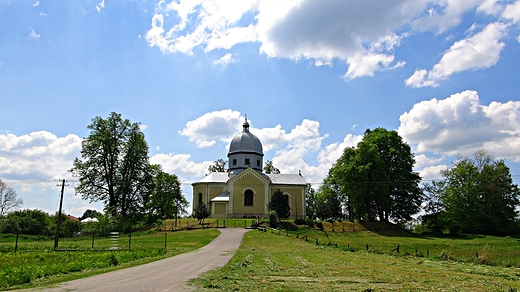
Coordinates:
245 151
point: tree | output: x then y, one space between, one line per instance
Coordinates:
280 204
270 169
328 204
89 213
167 200
201 212
114 167
376 179
311 203
480 196
31 222
218 165
8 199
432 220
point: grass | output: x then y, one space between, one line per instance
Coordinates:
266 261
38 265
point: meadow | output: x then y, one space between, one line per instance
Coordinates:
342 256
279 261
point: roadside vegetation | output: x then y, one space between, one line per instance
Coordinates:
36 264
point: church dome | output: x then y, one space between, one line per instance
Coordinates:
245 151
245 142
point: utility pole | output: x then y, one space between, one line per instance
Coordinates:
58 223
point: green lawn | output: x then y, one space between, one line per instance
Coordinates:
267 261
36 264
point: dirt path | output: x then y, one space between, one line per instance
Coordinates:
169 274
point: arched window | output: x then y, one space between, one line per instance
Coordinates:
248 198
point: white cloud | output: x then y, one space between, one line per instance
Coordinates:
42 14
512 12
349 31
445 14
33 34
213 126
39 155
36 3
460 124
479 51
100 6
224 61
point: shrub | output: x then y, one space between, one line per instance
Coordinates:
273 219
319 224
299 221
309 222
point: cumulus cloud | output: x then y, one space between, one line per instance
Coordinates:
460 124
213 126
349 31
478 51
360 33
38 155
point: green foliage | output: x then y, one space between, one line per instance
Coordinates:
218 165
201 212
376 179
8 199
280 204
32 222
270 169
328 204
114 167
273 219
89 213
311 202
479 197
166 200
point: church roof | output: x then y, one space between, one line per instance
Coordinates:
218 177
280 179
245 142
287 179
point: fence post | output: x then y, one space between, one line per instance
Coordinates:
165 240
16 244
224 223
317 243
129 241
93 233
367 246
217 223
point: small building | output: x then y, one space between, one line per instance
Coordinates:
245 190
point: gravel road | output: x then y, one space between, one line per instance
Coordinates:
169 274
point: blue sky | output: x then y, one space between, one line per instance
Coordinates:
311 75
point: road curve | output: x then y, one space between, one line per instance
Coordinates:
169 274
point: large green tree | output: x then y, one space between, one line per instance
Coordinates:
376 179
167 200
114 167
480 196
311 202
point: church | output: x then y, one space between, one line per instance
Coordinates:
245 190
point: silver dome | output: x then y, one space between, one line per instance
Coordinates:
245 142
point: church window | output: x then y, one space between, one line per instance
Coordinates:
235 161
258 163
248 198
200 198
248 162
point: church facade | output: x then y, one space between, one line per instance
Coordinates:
245 190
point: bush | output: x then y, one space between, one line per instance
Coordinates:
309 222
273 219
319 224
299 221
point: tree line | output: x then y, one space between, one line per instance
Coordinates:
375 181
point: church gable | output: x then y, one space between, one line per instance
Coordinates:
249 174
